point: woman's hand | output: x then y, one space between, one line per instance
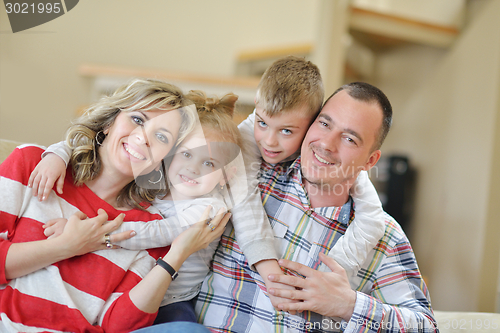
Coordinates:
49 170
200 234
82 235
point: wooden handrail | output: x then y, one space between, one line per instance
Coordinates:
407 21
274 52
93 70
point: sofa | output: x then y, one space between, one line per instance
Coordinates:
6 147
447 321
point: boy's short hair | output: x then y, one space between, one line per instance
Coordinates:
288 83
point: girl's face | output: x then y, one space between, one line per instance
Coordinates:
196 167
137 141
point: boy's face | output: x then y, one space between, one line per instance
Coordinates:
281 135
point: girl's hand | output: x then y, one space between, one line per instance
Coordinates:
200 234
49 170
54 228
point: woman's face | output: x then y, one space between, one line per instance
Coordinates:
137 141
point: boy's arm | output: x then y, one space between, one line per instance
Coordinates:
366 229
255 238
253 231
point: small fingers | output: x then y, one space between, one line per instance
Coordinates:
121 236
34 184
32 177
41 188
46 191
112 225
48 231
60 183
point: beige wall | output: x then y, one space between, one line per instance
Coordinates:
39 85
445 120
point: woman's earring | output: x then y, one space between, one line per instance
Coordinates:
221 186
97 137
159 179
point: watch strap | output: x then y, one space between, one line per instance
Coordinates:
173 273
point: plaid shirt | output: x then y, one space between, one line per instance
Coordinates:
391 294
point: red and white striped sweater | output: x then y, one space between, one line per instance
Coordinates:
88 293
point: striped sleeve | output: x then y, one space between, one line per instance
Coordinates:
399 300
12 172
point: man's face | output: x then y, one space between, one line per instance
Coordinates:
339 143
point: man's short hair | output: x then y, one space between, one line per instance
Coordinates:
288 83
365 92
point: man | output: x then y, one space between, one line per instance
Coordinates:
309 208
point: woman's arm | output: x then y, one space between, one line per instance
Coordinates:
80 236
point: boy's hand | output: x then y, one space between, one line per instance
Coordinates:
275 300
271 267
54 228
49 170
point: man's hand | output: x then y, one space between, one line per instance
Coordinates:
271 267
328 294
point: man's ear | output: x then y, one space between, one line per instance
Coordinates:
373 159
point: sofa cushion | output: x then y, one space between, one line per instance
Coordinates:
6 147
449 321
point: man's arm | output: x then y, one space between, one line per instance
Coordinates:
397 282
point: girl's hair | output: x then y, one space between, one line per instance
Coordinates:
140 94
216 116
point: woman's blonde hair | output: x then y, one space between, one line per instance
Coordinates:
86 134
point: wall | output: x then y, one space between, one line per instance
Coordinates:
40 89
445 120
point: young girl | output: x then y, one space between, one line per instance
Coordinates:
207 169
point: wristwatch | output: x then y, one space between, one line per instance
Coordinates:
173 273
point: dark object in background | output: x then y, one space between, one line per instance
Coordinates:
394 179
